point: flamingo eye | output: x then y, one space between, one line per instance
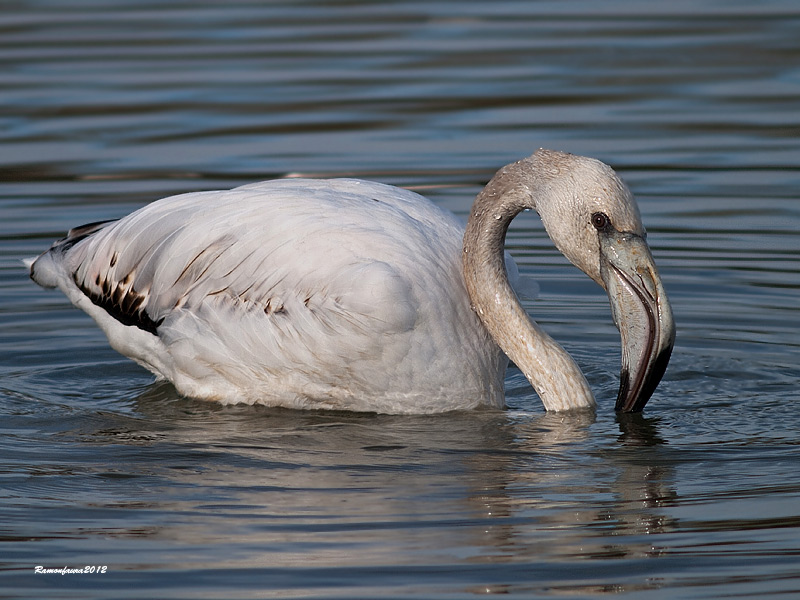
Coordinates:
600 221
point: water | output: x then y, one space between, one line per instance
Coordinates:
106 106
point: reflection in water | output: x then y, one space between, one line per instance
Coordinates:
634 483
645 483
638 430
332 489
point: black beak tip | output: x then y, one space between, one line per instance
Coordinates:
625 401
633 401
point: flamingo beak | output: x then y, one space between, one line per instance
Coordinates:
641 312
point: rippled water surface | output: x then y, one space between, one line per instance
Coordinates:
108 106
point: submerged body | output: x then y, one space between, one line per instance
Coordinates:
347 294
340 294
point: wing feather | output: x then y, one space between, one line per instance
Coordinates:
277 279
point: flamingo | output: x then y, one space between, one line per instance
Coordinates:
353 295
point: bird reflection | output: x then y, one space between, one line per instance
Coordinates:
481 487
577 495
638 430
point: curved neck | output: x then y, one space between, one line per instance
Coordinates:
551 371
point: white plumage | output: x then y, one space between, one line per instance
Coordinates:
301 293
347 294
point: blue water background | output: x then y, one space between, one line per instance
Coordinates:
107 106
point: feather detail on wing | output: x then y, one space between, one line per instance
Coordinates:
246 272
325 293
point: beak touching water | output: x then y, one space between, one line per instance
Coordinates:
641 312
